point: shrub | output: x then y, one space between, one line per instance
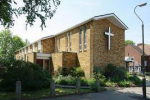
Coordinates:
136 80
116 74
65 80
32 76
69 80
110 84
77 72
98 72
125 84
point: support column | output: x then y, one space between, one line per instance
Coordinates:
49 64
43 63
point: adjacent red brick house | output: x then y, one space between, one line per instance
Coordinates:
136 52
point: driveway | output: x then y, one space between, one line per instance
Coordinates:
134 93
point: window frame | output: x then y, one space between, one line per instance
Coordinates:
80 39
67 42
70 41
39 47
33 47
85 38
28 49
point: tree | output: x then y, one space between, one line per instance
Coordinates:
129 42
18 42
8 45
32 9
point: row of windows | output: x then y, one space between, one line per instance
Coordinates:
33 49
68 40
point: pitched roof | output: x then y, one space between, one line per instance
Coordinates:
111 17
146 48
139 49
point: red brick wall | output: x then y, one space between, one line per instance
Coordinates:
133 53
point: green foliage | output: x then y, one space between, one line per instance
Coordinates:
77 72
32 76
92 84
116 74
18 42
136 80
65 80
110 84
129 42
69 80
98 72
74 72
125 84
33 9
8 45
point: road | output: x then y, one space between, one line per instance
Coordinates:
134 93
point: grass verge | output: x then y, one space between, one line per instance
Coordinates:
43 93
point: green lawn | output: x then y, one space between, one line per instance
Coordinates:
40 93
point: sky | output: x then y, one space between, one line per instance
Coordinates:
72 12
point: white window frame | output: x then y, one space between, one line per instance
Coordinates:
85 38
28 49
80 39
39 46
70 41
59 44
24 50
66 41
33 47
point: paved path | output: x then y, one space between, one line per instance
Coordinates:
134 93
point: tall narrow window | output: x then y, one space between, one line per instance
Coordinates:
70 41
39 46
28 49
85 32
59 44
33 47
67 42
80 40
24 50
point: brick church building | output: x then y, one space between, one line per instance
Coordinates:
94 42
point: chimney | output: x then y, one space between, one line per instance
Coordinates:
139 44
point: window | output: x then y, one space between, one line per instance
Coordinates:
28 49
58 44
70 41
25 51
33 47
39 46
67 42
80 40
22 53
85 32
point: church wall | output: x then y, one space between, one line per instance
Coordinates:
103 56
48 45
83 57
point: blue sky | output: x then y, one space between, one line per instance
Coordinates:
72 12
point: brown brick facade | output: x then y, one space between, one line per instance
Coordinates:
103 56
67 54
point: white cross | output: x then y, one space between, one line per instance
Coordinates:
109 35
